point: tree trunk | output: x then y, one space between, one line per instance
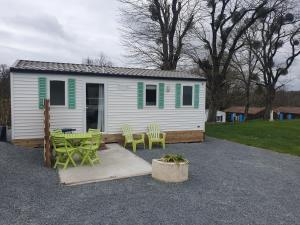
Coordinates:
270 96
168 65
213 107
212 113
247 104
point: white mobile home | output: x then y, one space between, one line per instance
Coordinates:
220 117
84 96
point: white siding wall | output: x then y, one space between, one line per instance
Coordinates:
120 106
27 118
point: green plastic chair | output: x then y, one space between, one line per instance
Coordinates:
97 131
155 135
130 139
93 131
64 151
89 149
56 132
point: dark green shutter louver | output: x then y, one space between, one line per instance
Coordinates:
140 95
161 103
196 96
42 82
72 93
178 96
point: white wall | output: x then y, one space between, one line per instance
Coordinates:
27 118
219 113
120 106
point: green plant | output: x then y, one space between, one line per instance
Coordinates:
173 158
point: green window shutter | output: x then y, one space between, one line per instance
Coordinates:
196 96
42 91
161 88
178 96
140 95
72 93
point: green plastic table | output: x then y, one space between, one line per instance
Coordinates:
76 139
77 136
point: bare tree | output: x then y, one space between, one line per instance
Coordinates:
287 98
4 81
4 95
218 36
276 46
155 31
101 60
246 64
4 71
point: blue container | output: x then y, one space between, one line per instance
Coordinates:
281 116
241 118
290 116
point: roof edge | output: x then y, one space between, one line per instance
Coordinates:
18 70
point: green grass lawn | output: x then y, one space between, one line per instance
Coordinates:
279 136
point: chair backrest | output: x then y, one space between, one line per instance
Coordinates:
127 132
96 136
94 131
96 139
58 141
154 130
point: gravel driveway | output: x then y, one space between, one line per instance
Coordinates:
229 184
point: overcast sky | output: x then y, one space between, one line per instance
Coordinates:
67 31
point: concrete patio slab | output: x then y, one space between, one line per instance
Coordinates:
116 163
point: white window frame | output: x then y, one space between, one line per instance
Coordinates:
151 106
185 85
66 94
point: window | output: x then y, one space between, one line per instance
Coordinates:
187 96
151 95
219 119
57 92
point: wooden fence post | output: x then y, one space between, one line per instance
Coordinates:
47 147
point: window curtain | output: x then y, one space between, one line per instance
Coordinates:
101 108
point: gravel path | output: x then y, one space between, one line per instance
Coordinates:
229 184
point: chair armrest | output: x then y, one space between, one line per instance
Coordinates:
163 135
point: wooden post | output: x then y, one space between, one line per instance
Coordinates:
47 147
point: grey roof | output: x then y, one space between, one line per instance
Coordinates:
84 69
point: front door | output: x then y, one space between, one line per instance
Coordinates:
95 106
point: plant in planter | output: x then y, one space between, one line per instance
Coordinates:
170 168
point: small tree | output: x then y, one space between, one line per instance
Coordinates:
4 95
101 60
4 82
155 31
279 30
246 64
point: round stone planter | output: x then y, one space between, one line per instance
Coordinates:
169 171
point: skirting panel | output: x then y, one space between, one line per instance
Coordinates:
172 137
29 143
